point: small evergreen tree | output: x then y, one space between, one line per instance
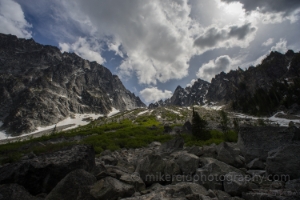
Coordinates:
199 127
224 121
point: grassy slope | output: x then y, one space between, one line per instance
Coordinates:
124 130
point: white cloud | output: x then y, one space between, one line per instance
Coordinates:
280 46
157 36
268 42
12 19
229 36
89 50
153 94
208 70
191 83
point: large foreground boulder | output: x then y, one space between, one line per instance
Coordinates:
211 174
151 168
42 173
230 154
235 184
76 185
284 160
256 142
188 163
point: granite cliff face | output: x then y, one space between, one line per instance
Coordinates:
186 96
259 90
41 86
225 87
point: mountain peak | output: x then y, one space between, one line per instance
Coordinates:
41 86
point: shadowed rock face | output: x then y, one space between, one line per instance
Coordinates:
42 173
41 86
256 142
226 87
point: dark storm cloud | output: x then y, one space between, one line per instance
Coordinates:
213 35
286 6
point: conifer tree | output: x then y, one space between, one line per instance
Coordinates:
199 127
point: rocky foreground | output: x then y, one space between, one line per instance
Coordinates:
264 164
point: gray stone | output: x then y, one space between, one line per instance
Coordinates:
212 173
110 188
284 160
229 154
210 151
76 185
235 184
188 163
149 167
196 151
134 180
109 160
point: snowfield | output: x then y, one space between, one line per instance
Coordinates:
143 112
77 121
274 119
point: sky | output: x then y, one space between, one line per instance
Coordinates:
154 46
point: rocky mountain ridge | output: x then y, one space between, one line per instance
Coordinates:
41 86
256 90
190 95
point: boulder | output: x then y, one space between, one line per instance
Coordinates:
15 192
134 180
235 184
256 164
42 173
210 151
198 151
111 188
256 142
109 160
151 168
212 172
188 163
154 144
284 161
229 154
76 185
172 145
172 168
